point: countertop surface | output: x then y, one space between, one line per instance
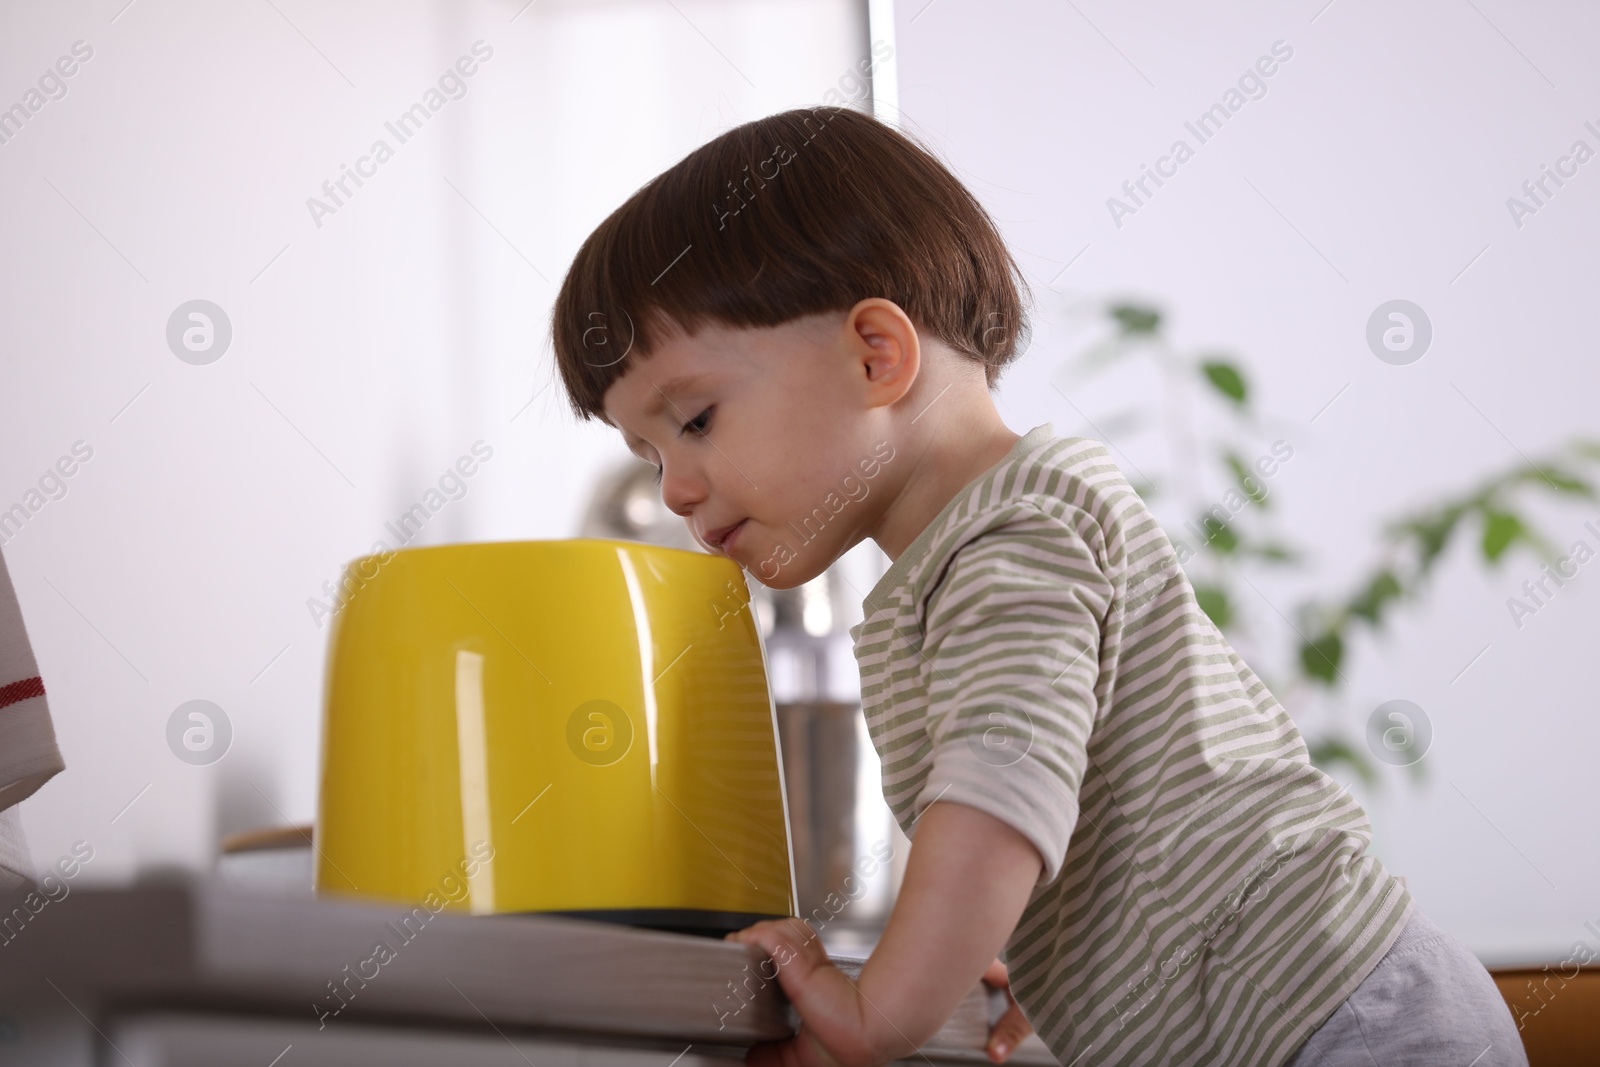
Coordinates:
214 946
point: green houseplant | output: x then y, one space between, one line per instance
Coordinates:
1233 537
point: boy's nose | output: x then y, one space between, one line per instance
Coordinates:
681 491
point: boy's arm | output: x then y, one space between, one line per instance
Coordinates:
968 879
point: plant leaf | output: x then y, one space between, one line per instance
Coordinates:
1561 481
1227 380
1272 552
1369 603
1500 528
1246 478
1136 319
1219 538
1214 602
1432 533
1320 658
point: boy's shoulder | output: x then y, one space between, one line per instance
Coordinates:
1046 486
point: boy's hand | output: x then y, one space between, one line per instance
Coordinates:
966 884
1009 1030
831 1032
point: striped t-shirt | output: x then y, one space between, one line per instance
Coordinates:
1037 653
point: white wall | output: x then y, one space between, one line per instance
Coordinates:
1377 165
368 353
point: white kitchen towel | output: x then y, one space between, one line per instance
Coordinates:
28 753
16 861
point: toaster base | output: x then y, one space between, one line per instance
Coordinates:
697 921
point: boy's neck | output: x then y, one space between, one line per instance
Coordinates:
944 454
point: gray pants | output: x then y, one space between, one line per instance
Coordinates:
1428 1003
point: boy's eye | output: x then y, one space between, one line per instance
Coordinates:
697 425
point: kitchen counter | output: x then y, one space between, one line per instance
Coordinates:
200 971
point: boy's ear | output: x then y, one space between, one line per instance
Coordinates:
884 345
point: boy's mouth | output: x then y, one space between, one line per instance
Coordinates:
721 537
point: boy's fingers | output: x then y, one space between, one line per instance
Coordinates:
1008 1033
769 935
1012 1027
798 955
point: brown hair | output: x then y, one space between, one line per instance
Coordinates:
799 213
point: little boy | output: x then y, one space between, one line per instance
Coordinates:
1094 780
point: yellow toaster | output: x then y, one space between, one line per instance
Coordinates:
580 727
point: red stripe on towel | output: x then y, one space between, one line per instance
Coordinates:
17 692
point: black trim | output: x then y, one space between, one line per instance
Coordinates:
696 921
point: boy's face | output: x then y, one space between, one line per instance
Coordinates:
764 438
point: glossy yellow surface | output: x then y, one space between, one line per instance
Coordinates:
594 714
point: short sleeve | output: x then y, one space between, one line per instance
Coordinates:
1012 637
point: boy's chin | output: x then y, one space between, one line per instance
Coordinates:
781 581
796 572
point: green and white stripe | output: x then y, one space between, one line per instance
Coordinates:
1037 653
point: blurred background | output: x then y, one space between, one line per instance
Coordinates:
354 344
